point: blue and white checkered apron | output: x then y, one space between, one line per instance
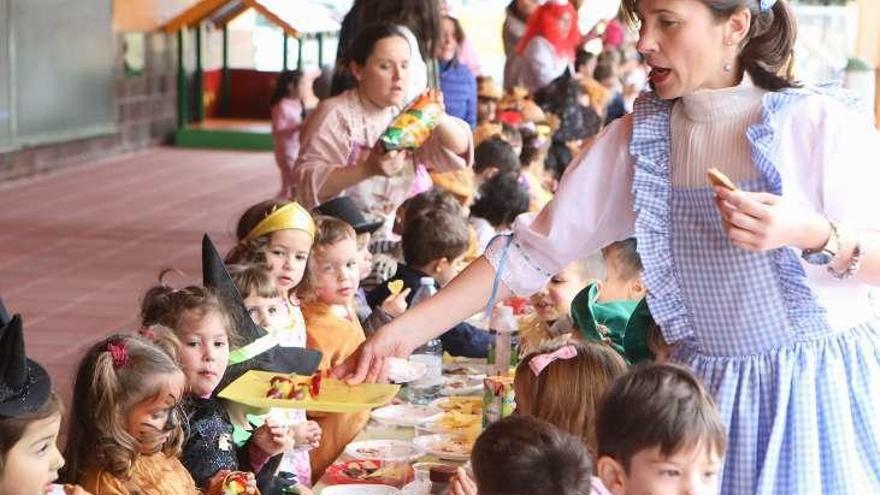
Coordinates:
800 399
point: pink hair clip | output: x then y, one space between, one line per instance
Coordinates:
119 354
541 361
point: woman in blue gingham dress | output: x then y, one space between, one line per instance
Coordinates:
790 350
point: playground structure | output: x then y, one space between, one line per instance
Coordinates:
229 107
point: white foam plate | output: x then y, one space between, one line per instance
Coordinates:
405 415
434 445
404 371
360 490
462 385
384 450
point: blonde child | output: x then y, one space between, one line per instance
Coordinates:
332 325
125 429
265 304
30 419
659 432
279 234
552 304
266 308
562 384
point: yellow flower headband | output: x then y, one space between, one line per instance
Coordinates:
289 216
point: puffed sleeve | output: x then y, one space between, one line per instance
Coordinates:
326 145
829 159
593 207
434 156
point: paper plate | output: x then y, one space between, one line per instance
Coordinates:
404 414
452 422
450 446
360 490
335 396
384 450
462 404
371 472
462 385
404 371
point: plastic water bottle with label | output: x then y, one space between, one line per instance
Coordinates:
428 387
503 328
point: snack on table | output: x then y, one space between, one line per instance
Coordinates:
717 178
235 483
370 471
461 405
395 287
358 470
454 420
413 126
285 387
459 446
498 398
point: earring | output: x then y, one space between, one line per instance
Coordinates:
727 67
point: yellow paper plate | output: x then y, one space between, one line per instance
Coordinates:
335 396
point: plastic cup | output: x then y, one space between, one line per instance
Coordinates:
437 474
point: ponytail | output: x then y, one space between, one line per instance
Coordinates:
769 49
115 374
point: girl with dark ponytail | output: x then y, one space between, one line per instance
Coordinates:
762 287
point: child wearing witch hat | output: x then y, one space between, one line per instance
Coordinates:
262 350
30 419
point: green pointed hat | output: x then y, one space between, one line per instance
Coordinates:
612 321
635 338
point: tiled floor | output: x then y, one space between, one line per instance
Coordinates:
80 247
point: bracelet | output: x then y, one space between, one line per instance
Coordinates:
854 264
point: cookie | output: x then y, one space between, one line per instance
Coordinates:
717 178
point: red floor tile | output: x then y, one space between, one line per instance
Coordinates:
79 248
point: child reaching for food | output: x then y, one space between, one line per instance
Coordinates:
332 326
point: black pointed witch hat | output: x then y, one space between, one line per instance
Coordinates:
4 316
259 351
24 384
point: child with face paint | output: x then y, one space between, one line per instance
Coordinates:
125 425
30 419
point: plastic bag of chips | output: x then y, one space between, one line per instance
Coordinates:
413 126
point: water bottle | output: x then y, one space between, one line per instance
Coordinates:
502 327
428 387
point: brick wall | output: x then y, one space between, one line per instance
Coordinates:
146 115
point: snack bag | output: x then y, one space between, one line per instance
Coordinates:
498 398
411 128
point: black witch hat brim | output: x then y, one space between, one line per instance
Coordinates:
24 385
274 358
